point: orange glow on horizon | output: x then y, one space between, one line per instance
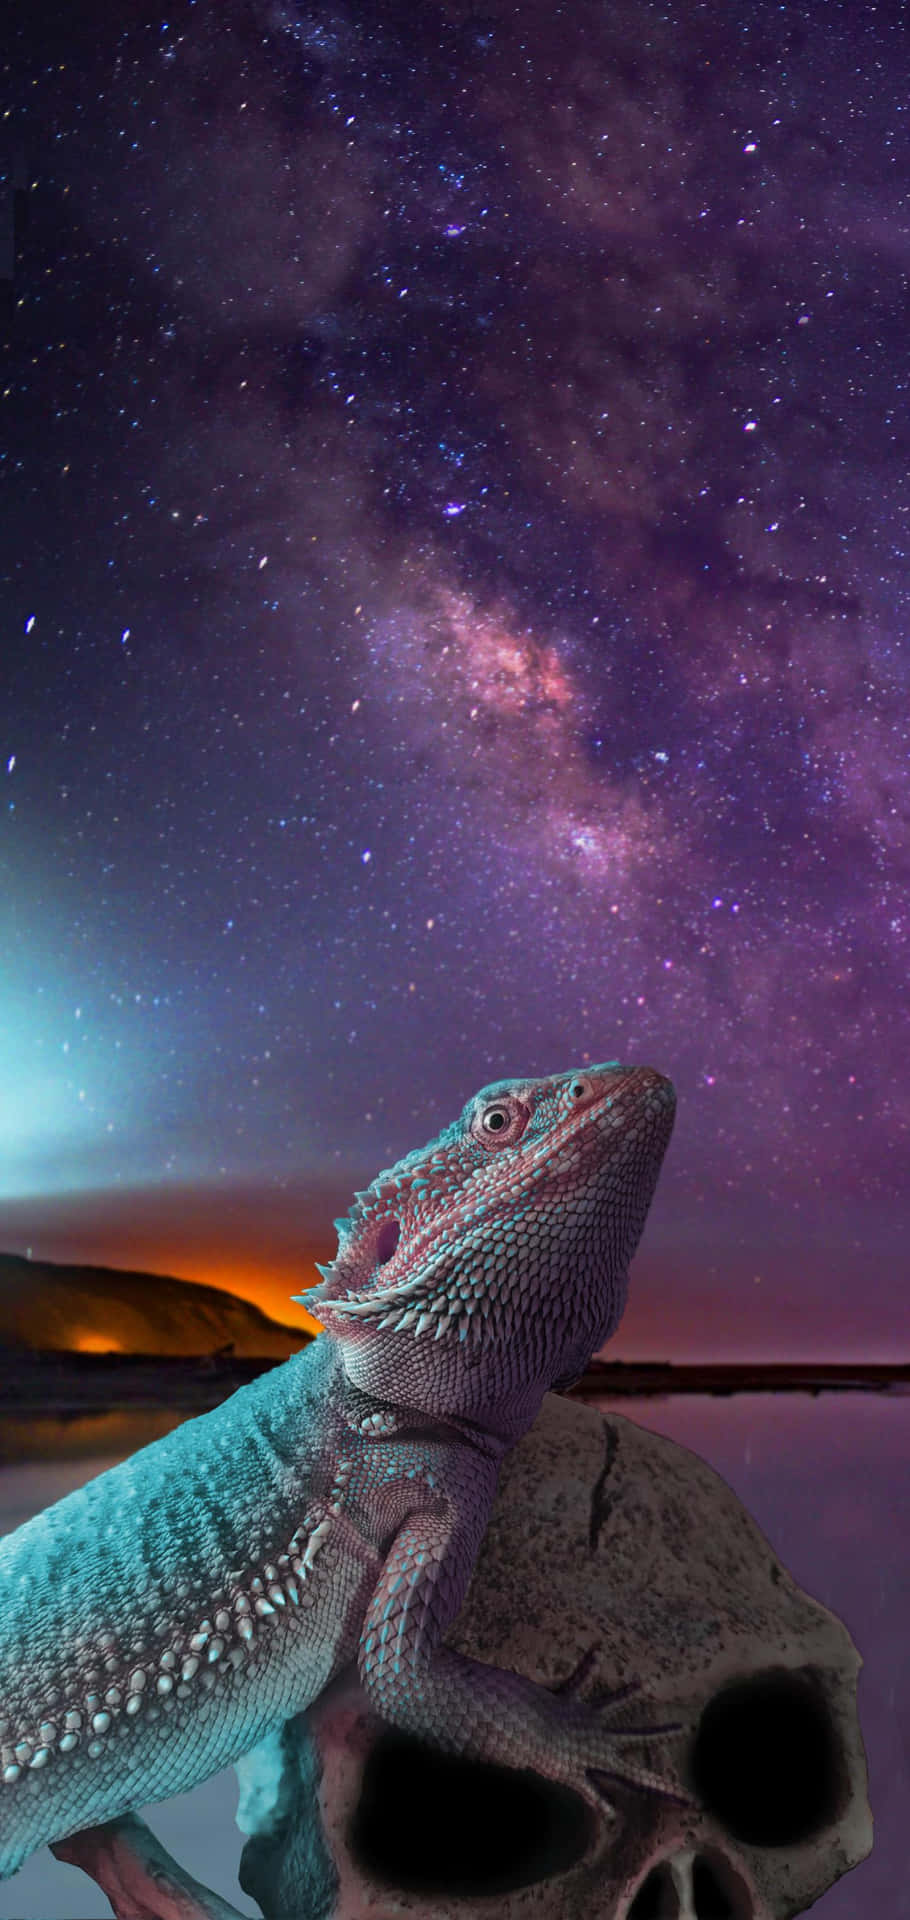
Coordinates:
96 1343
260 1254
267 1284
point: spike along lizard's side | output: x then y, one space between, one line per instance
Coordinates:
160 1621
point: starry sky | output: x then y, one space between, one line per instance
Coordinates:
454 522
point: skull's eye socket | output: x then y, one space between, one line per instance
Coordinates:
767 1760
495 1119
447 1830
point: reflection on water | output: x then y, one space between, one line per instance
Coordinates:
84 1436
827 1481
59 1455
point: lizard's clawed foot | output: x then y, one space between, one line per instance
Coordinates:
623 1773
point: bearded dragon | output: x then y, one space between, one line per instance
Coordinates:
162 1620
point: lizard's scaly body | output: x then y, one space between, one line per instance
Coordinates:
159 1622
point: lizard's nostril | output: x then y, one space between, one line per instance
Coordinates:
389 1234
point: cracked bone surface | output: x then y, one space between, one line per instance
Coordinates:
612 1553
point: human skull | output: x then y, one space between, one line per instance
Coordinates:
615 1549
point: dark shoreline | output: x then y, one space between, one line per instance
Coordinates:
662 1379
61 1385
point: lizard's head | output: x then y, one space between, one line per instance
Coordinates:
493 1262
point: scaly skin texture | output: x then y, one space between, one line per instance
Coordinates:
159 1622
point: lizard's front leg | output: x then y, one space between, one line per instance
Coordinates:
462 1705
157 1622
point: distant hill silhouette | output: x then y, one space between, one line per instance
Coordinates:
91 1309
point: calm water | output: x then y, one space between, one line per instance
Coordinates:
827 1480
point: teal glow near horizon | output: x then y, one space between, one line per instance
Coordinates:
454 600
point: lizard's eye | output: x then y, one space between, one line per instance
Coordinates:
499 1123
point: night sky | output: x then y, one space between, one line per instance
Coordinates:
454 528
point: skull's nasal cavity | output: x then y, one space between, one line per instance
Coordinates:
389 1234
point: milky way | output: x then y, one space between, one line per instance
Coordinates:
454 531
